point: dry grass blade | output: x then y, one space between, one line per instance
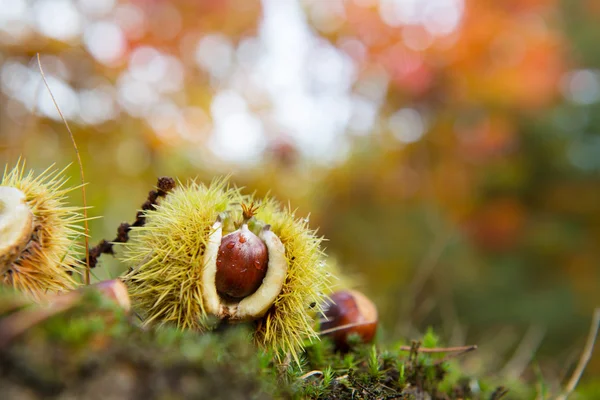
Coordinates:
467 349
344 327
585 356
85 218
311 373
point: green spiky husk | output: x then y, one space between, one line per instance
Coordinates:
53 252
165 255
166 258
290 321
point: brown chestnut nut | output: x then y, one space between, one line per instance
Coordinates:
242 263
348 312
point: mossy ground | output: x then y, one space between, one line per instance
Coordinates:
95 351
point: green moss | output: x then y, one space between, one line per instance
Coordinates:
95 350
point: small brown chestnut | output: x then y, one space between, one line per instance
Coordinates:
242 262
348 312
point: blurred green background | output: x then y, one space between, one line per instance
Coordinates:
449 150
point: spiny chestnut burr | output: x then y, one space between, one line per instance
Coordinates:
348 312
38 232
241 263
173 266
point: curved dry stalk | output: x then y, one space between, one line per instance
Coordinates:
585 356
85 217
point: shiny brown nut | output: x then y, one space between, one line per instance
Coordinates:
242 263
349 312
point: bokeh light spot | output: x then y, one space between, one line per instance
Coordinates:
105 42
214 54
581 86
97 105
58 19
238 138
407 125
96 8
14 20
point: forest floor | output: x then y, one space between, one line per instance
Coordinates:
94 350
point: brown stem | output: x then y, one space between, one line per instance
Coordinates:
454 355
164 186
248 211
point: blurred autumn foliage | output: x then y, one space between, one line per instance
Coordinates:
449 150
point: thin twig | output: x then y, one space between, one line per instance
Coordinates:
454 355
458 349
585 356
344 327
364 388
163 186
85 217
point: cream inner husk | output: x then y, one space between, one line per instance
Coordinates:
16 225
257 304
